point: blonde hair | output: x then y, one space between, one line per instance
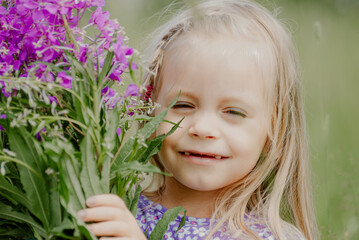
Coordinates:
278 188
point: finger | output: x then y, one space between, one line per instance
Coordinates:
109 228
105 200
98 214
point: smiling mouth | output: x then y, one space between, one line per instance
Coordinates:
204 155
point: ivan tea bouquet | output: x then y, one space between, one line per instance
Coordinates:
70 106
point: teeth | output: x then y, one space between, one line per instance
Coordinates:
186 153
218 157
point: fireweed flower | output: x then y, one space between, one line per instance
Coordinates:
110 97
119 131
38 136
52 99
64 80
2 116
32 31
108 93
132 90
4 90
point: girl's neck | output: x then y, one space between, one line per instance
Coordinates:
198 204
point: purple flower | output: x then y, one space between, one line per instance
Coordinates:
119 131
52 99
99 18
116 74
38 136
98 3
64 80
3 89
108 93
133 66
111 103
110 97
82 54
2 116
33 30
132 90
2 10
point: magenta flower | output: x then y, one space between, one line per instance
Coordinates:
2 10
119 131
108 92
64 80
110 97
132 90
99 18
133 66
38 136
2 116
52 99
3 89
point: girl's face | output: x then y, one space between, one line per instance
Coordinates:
222 101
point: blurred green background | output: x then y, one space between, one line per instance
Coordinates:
326 33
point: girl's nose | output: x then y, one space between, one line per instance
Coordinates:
203 127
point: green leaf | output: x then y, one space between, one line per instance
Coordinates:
28 151
77 65
162 225
55 206
154 146
106 66
17 233
128 167
6 212
105 174
89 175
133 206
13 193
52 66
72 196
146 132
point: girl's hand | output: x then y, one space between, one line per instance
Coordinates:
111 218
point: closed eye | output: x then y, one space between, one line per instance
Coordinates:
235 112
182 105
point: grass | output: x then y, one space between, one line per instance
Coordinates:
327 39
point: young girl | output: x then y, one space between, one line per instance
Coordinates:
239 161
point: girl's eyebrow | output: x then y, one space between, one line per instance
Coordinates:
187 94
244 101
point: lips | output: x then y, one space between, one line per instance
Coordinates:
213 156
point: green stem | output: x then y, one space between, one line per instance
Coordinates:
64 119
10 159
123 141
68 31
96 129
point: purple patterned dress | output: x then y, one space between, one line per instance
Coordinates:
148 214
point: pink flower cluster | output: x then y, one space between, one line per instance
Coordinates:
34 30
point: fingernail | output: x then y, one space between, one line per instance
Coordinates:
90 201
81 214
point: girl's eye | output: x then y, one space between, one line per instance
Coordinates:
182 105
236 112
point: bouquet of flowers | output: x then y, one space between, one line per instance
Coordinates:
70 106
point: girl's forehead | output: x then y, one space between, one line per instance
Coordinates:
223 50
